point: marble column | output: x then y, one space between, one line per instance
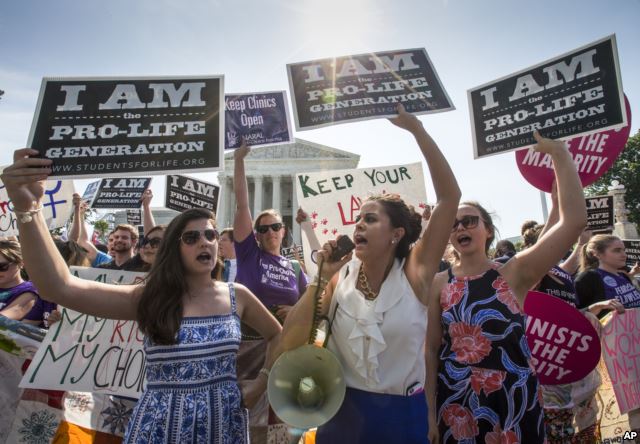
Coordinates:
294 211
276 193
229 203
221 214
257 195
622 227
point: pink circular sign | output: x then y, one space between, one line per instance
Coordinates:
593 154
564 345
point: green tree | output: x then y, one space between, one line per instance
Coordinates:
101 226
626 170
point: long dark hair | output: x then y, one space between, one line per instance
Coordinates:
160 307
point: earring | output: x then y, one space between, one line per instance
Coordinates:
393 241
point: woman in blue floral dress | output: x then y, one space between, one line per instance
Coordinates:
477 355
191 322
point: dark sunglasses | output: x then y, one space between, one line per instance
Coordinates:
192 236
467 222
264 228
153 242
5 266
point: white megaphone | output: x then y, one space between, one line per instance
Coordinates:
306 386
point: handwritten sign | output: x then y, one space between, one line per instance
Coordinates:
333 198
85 353
621 352
57 206
564 345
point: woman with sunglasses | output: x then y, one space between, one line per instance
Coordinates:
376 303
477 354
277 281
191 322
147 250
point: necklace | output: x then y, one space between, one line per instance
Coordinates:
369 294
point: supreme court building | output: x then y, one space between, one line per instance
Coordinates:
271 174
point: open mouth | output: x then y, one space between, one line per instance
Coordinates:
204 257
464 240
359 240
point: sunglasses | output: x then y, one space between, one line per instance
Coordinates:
192 236
467 222
5 266
153 242
264 228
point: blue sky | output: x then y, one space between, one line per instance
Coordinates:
470 42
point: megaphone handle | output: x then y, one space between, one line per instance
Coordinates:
330 326
317 309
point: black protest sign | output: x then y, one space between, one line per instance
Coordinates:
259 118
184 193
365 86
117 193
292 252
577 93
632 248
599 213
134 217
113 127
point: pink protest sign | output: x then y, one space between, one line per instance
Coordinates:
593 155
564 344
621 353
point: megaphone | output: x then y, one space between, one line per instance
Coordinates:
306 386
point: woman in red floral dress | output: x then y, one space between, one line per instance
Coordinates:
477 355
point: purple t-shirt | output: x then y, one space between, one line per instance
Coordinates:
41 309
271 278
619 287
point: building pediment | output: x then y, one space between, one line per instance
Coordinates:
300 150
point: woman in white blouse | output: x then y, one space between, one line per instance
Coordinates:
377 302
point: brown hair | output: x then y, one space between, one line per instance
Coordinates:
597 244
228 232
73 253
530 235
270 212
130 228
11 250
159 311
401 215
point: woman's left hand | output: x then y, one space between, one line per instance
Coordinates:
25 179
252 390
406 120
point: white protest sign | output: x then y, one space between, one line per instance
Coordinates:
57 206
89 354
332 199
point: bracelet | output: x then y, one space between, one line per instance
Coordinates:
264 371
25 217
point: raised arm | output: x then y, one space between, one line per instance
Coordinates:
425 256
528 266
242 221
24 181
79 230
148 222
305 225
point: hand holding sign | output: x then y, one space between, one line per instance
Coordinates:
25 179
406 121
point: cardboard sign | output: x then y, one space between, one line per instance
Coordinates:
89 354
599 213
632 248
620 349
332 199
564 345
120 193
364 86
577 93
134 217
184 193
57 206
593 155
259 118
113 127
90 192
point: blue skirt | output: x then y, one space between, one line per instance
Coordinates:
371 418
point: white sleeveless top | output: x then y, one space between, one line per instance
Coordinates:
379 343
